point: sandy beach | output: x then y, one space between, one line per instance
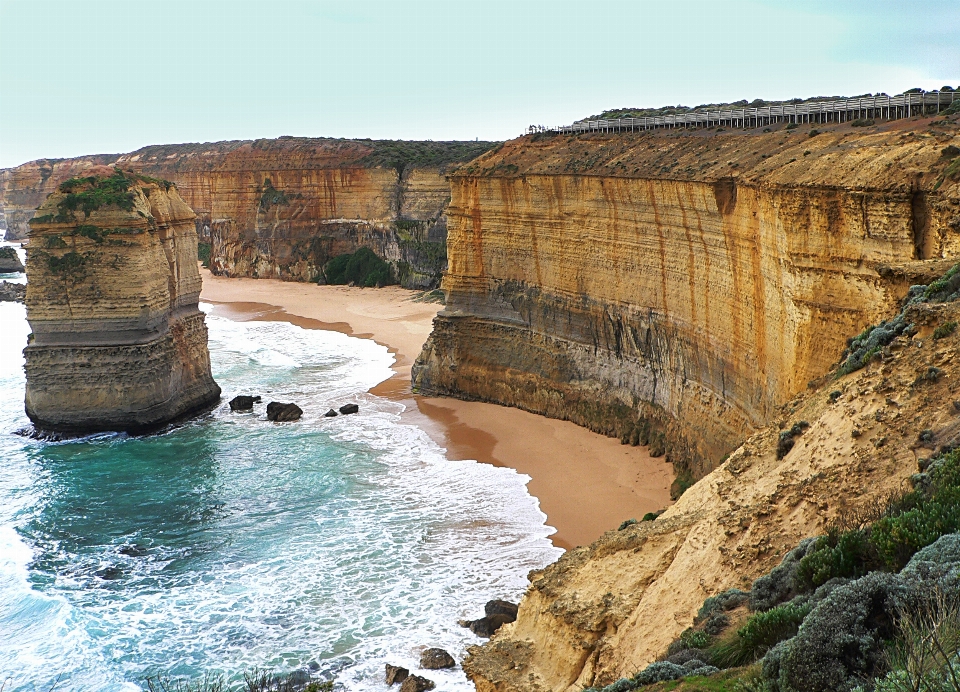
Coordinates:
586 483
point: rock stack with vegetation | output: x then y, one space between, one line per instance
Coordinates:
118 340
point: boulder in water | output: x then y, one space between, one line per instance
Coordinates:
243 402
347 409
10 262
396 674
497 613
498 607
330 414
12 293
435 659
283 413
414 683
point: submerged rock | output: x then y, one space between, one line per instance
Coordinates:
243 402
12 293
415 683
435 659
347 409
396 674
283 413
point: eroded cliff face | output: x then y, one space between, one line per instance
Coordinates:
118 340
282 208
677 288
606 611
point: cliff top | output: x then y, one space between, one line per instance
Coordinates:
309 152
917 153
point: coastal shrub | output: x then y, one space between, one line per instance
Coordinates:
8 253
728 600
841 641
203 254
758 634
361 268
89 231
69 265
944 330
89 194
778 585
862 122
838 554
54 242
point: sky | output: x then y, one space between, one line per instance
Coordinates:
105 76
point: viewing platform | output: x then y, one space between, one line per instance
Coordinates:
839 111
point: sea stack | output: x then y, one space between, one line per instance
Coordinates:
118 343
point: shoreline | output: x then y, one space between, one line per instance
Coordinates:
586 483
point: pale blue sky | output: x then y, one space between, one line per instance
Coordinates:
103 76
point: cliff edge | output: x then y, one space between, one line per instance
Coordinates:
674 288
118 341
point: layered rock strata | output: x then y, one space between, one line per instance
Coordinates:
282 208
605 611
118 341
675 288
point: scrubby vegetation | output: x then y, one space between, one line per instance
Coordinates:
361 268
8 253
255 681
874 602
861 349
92 193
271 196
203 254
402 155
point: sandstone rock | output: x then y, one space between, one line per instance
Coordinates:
396 674
435 659
283 413
330 414
415 683
282 208
11 292
709 298
118 340
243 402
10 261
347 409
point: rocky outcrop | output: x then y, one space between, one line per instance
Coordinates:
9 261
12 293
118 341
675 288
605 611
282 208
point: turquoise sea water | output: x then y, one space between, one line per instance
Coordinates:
229 543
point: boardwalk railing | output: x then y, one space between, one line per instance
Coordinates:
844 110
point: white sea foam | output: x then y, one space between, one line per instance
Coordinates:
348 541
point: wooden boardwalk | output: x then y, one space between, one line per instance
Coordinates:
844 110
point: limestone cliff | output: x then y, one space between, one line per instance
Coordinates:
605 611
677 287
118 340
281 208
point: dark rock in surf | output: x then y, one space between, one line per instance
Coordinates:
12 293
283 413
414 683
330 414
347 409
243 402
487 626
498 607
435 659
396 674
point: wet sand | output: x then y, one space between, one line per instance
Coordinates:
586 483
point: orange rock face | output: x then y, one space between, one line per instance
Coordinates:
677 289
118 340
282 208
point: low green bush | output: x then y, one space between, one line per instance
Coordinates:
203 254
89 194
361 268
838 554
758 634
944 330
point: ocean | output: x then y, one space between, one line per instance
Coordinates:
230 543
